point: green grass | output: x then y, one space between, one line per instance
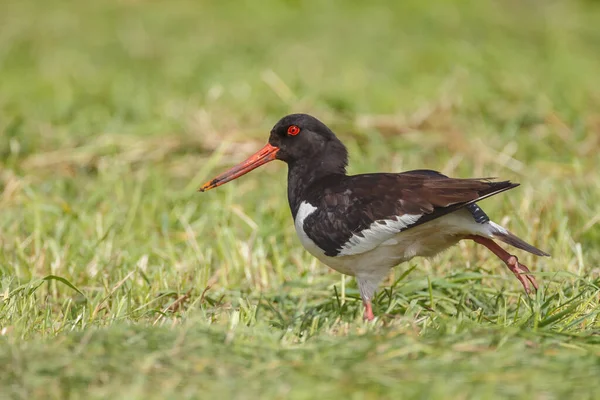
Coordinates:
119 280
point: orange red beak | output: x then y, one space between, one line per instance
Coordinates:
257 159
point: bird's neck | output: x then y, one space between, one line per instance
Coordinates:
302 175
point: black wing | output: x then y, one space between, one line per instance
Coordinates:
347 205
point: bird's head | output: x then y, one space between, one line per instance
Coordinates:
296 138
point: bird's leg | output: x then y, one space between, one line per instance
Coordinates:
521 271
368 314
367 284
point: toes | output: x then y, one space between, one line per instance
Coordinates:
524 282
522 273
524 279
532 280
525 271
523 267
368 314
534 283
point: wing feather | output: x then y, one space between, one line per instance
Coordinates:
362 211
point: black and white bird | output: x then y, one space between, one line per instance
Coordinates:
363 225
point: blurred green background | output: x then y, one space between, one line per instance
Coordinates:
117 279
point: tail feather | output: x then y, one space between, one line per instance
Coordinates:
509 238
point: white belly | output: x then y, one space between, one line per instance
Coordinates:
424 240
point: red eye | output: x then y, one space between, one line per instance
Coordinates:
293 130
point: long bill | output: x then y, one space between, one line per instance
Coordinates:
257 159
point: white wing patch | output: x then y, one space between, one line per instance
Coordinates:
379 232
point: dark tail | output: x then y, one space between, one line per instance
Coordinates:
511 239
490 189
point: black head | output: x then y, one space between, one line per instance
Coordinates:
303 138
299 140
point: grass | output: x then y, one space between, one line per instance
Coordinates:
117 279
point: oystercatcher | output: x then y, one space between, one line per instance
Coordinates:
363 225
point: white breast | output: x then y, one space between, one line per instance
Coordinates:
345 265
304 211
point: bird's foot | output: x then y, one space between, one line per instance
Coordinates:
521 271
368 314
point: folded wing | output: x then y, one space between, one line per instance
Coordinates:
355 214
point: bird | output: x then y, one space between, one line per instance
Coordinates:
364 225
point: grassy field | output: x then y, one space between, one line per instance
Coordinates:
119 280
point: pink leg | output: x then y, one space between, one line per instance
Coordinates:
521 271
368 315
